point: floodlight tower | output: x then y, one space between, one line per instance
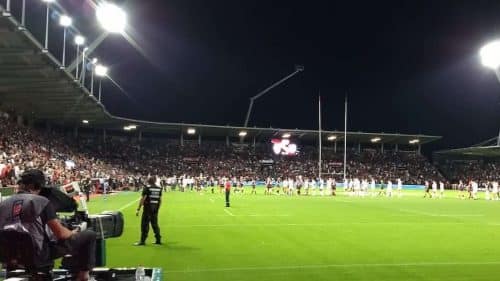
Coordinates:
65 22
46 44
298 68
490 57
101 71
79 40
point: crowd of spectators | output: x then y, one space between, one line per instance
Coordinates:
127 161
467 170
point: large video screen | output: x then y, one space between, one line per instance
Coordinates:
284 147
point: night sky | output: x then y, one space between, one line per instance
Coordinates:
406 66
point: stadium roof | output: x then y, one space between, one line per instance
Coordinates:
33 84
475 151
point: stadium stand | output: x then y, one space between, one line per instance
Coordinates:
127 161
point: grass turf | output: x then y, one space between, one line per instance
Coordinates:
313 238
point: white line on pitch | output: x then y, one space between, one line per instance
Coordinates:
229 213
440 215
129 204
322 224
316 266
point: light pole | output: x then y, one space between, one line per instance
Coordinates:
83 66
79 40
46 45
101 71
64 21
92 68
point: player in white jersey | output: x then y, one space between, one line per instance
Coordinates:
321 183
400 188
487 191
475 188
306 186
312 186
434 189
372 187
357 187
441 189
329 186
291 186
364 187
494 186
389 189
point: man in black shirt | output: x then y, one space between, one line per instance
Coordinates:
28 212
151 200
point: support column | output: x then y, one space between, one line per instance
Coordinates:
140 136
104 135
20 120
396 148
75 132
382 147
227 141
335 147
359 147
199 139
254 142
182 139
419 147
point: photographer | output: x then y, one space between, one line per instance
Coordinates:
151 200
27 211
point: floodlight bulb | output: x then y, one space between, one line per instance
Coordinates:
286 135
48 1
490 54
65 21
101 70
191 131
79 40
332 137
242 134
111 17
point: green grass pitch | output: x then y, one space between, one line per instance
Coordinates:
313 238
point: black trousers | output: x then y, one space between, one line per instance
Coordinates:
81 246
228 192
150 216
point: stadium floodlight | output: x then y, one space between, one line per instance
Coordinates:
132 127
46 45
111 17
85 121
286 135
79 40
94 60
377 139
127 128
490 54
331 138
242 133
414 141
65 21
101 70
191 131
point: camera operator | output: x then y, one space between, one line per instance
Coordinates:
151 200
27 211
